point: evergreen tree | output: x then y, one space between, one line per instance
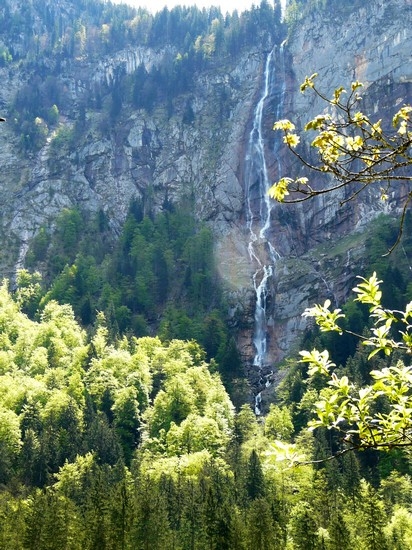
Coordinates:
339 533
262 532
303 528
371 519
150 527
255 482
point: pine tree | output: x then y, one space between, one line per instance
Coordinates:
303 528
255 482
263 533
150 528
372 518
339 534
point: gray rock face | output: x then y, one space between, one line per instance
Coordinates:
140 153
320 242
167 157
372 45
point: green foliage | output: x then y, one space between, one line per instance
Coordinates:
278 423
10 441
303 527
399 530
357 413
328 10
63 138
46 39
38 248
159 276
183 418
255 483
76 408
54 368
29 291
53 115
36 106
113 441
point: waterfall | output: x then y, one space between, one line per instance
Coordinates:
262 253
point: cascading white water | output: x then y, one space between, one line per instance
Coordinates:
258 214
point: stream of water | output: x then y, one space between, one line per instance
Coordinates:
262 253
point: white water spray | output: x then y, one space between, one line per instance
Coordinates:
258 216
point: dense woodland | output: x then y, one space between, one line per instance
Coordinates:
125 416
115 441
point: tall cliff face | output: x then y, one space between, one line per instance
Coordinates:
320 243
372 45
100 157
153 156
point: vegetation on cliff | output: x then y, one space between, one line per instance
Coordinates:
50 38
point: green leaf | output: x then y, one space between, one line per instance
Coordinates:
319 361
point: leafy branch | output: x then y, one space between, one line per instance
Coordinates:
352 410
350 147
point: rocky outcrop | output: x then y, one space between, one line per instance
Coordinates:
321 243
136 155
